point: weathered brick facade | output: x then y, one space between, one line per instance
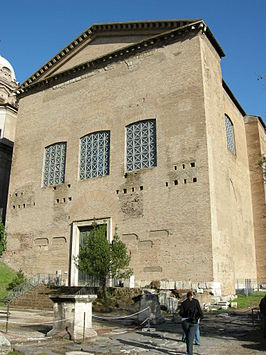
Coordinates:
256 143
187 220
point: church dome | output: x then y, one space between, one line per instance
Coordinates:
6 69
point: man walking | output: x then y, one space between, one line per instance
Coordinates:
190 312
263 314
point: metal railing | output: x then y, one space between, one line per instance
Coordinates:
246 286
29 284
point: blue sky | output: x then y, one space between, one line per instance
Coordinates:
32 31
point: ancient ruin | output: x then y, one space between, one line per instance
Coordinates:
132 124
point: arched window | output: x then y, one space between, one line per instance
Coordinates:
230 139
141 145
94 155
54 164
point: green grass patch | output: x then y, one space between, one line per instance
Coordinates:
250 301
6 276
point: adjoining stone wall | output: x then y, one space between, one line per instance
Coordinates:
256 143
231 209
160 212
6 148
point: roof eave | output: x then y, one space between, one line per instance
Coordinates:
233 98
214 42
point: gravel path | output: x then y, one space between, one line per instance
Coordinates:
220 334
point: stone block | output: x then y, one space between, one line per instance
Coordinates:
215 288
213 284
137 283
167 285
152 268
202 285
226 298
179 285
150 306
187 285
132 281
4 343
194 285
73 312
144 283
169 302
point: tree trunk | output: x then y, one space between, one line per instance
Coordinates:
104 289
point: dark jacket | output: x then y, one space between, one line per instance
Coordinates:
191 309
263 306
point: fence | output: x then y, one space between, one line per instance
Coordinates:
90 281
246 286
45 279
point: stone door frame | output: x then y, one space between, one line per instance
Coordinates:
75 235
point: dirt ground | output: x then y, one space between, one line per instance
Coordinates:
222 333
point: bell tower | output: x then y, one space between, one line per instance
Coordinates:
8 104
8 120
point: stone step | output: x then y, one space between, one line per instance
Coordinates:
36 298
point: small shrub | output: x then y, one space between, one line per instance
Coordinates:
2 238
17 280
100 260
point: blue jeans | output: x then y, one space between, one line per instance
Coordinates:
190 331
197 336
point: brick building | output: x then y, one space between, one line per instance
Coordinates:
132 124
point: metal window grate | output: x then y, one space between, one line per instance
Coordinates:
230 139
141 145
54 164
94 155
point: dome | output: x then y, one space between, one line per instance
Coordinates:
7 68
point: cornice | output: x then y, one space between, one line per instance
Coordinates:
253 118
12 86
9 106
157 40
121 28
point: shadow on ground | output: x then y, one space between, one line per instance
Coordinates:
147 346
238 326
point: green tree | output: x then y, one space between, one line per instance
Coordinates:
2 238
100 259
119 259
17 280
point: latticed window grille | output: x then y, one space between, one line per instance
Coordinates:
94 155
141 145
230 139
54 164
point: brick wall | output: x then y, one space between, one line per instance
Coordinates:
256 142
231 208
178 219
